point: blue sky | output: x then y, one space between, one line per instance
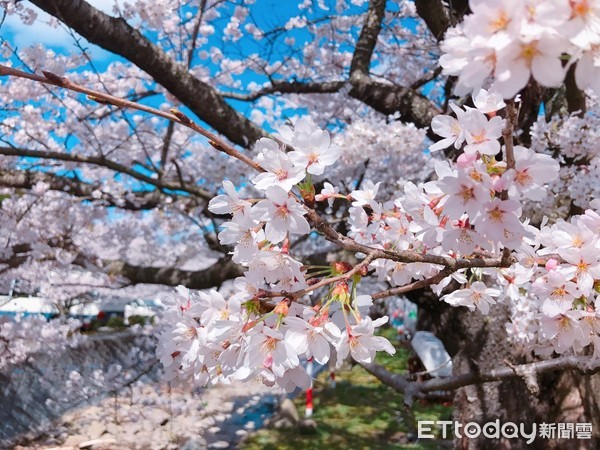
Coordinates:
268 14
21 35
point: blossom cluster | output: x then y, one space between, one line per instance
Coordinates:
22 338
259 331
504 43
469 219
267 327
211 339
464 212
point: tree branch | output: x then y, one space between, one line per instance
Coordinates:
382 97
289 87
576 100
361 60
436 16
132 201
117 36
389 99
222 270
422 389
347 243
174 115
106 163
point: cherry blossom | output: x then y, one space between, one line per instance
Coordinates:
230 203
449 128
477 295
313 340
360 342
328 193
316 154
496 218
281 171
282 214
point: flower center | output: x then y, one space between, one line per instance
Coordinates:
270 344
496 214
580 8
467 193
190 333
582 267
577 241
282 212
499 22
564 324
529 51
281 174
479 137
523 178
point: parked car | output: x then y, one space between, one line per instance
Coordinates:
125 308
27 306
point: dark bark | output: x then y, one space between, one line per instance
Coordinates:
291 87
101 161
367 40
440 15
529 108
478 344
436 16
576 101
133 201
213 276
389 99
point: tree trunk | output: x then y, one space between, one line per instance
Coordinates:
480 342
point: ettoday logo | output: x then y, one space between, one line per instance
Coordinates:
508 430
471 430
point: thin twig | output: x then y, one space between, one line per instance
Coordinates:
174 115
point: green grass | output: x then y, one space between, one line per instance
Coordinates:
360 413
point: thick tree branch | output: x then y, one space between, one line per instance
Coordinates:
389 99
436 16
132 201
361 60
117 36
290 87
422 389
576 100
384 98
19 254
222 270
106 163
440 15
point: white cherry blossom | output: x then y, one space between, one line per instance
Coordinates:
282 215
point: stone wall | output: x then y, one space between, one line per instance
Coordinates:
39 391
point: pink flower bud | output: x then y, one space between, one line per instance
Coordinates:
466 160
551 264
